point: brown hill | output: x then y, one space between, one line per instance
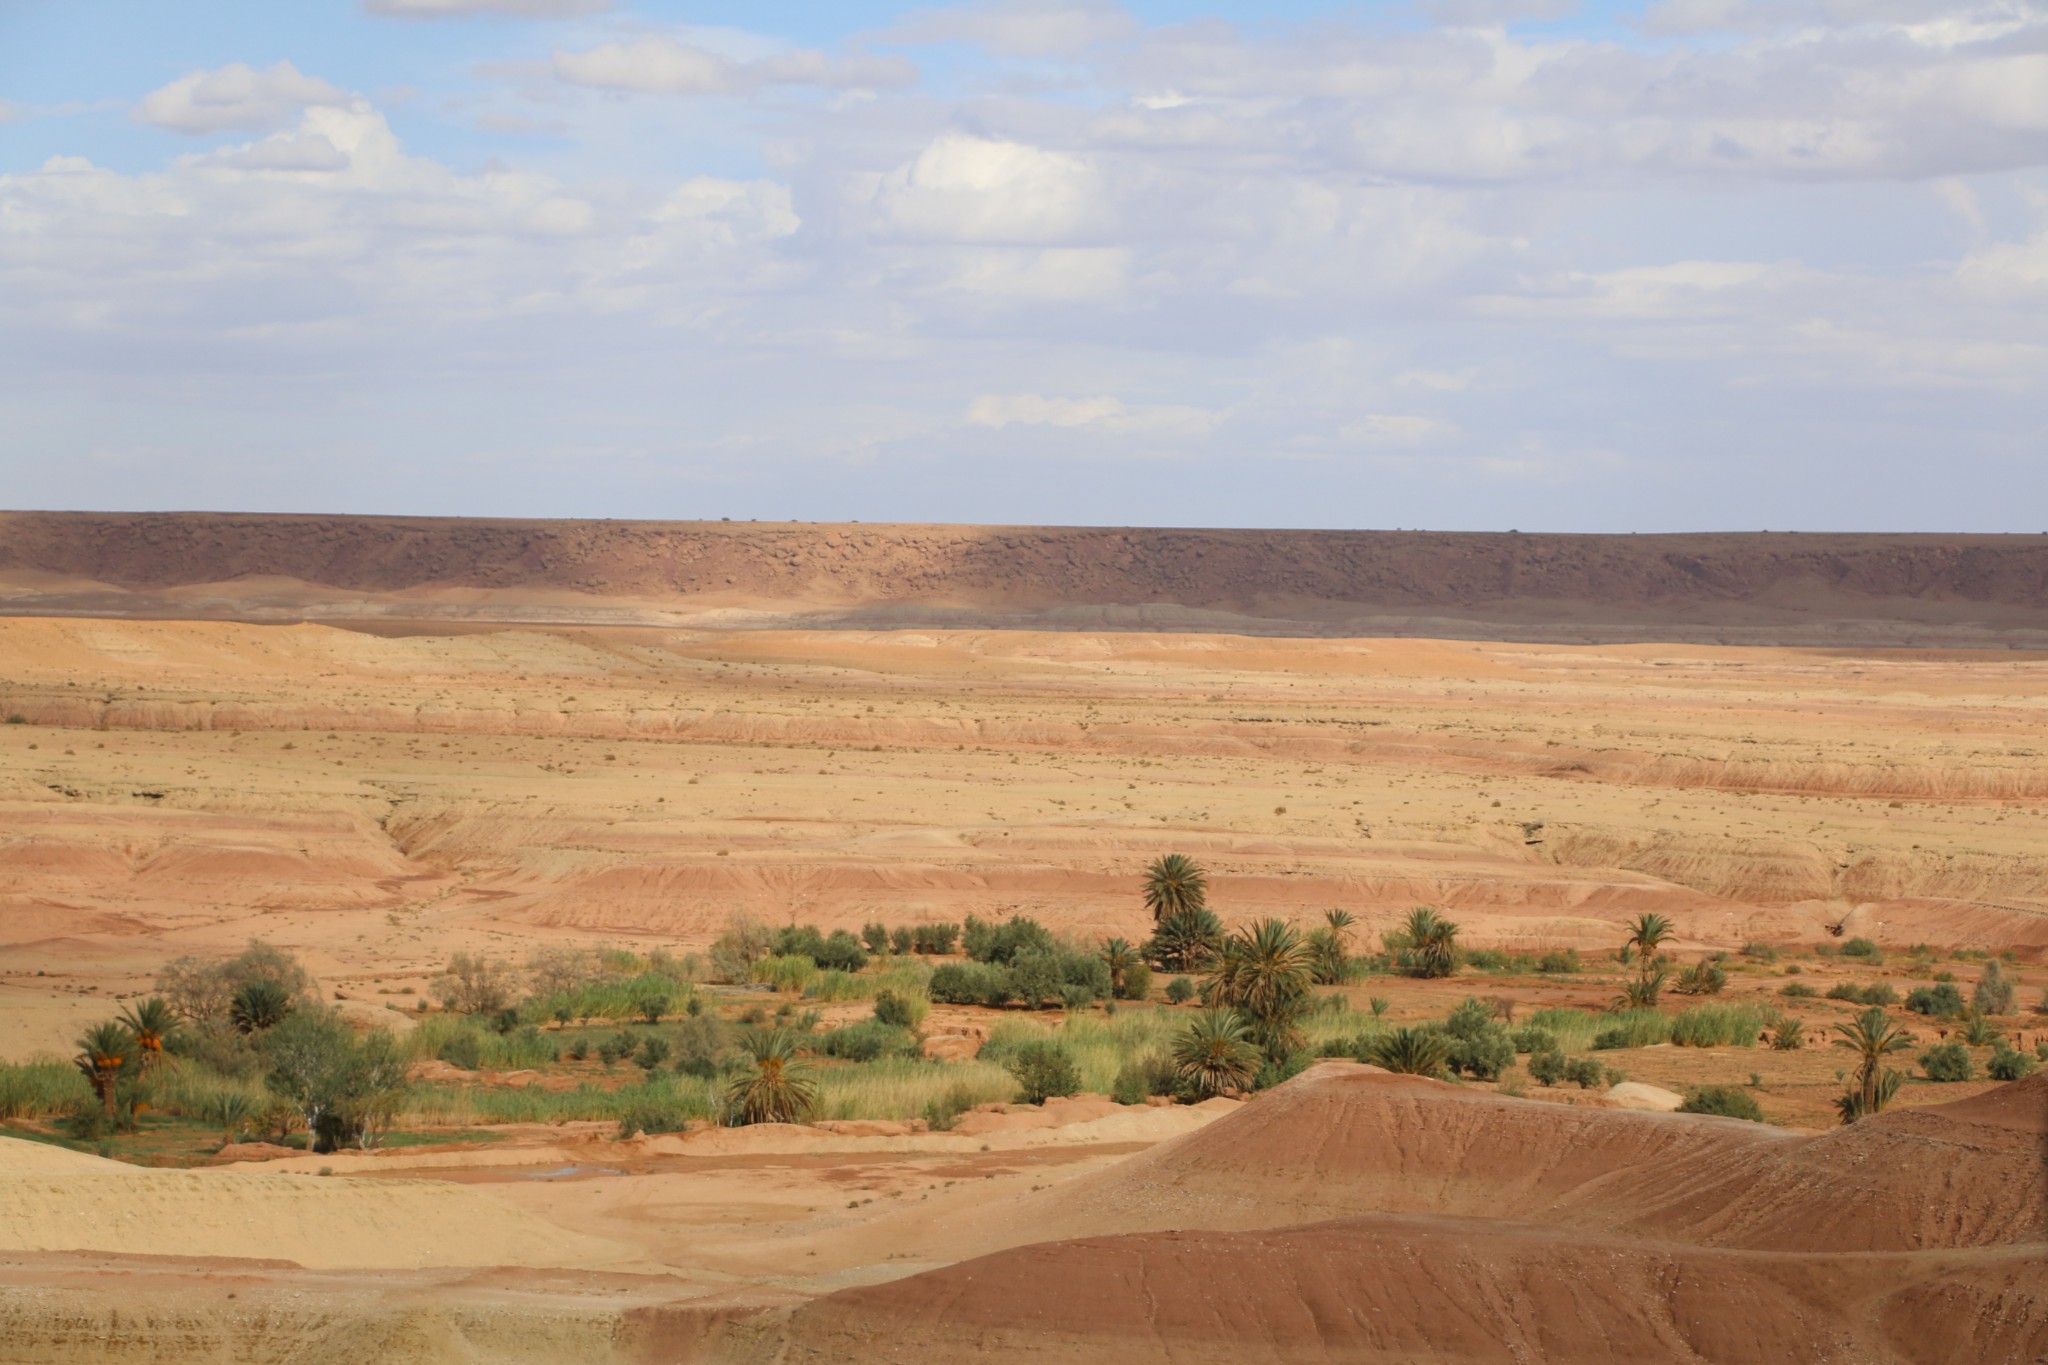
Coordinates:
1748 588
1421 1290
1343 1140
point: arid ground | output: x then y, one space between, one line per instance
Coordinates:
375 798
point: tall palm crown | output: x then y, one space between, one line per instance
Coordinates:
1265 972
1872 1037
153 1024
1215 1054
779 1089
1174 884
1648 934
106 1051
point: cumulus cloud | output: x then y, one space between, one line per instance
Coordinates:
1023 28
455 9
235 98
659 65
964 188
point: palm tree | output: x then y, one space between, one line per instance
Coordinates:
1410 1051
1215 1056
228 1110
105 1052
1121 957
1264 972
260 1005
1432 944
1642 992
1872 1037
1645 937
779 1089
154 1025
1187 939
1331 946
1173 886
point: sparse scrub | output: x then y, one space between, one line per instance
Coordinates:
1994 993
1701 978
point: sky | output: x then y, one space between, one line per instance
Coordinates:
1456 264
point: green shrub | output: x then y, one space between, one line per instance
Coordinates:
653 1052
1727 1101
1137 981
1043 1070
1480 1047
1408 1051
987 942
1994 993
660 1108
1701 978
1179 991
463 1047
1977 1030
901 941
1142 1077
1762 952
1947 1062
899 1011
1863 950
1548 1068
1584 1072
1556 963
875 938
1797 990
1531 1039
2007 1064
1789 1036
41 1088
971 983
868 1040
1940 1001
942 1111
934 939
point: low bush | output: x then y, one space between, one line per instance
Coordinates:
1701 978
1179 991
1788 1036
1726 1101
1479 1047
1584 1072
1761 952
2007 1064
1797 990
1043 1070
971 983
1940 1001
1559 963
1548 1068
1634 1028
1531 1039
1863 950
900 1011
1947 1062
867 1041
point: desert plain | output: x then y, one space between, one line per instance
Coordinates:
376 795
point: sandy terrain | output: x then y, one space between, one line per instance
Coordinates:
374 798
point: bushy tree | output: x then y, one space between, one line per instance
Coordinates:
345 1090
474 984
1994 993
202 991
1480 1047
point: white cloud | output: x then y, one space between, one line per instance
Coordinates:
963 188
1023 28
656 64
1102 413
456 9
236 97
9 111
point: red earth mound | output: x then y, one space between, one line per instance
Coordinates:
1343 1140
1760 588
1416 1289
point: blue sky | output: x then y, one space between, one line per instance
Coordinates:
1460 263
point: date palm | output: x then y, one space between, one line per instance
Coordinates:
1872 1037
1187 940
154 1025
1120 957
1432 944
1214 1055
779 1089
258 1006
1173 886
104 1053
1264 972
1646 938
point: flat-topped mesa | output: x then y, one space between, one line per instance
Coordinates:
1749 588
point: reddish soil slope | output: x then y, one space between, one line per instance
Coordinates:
1752 588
